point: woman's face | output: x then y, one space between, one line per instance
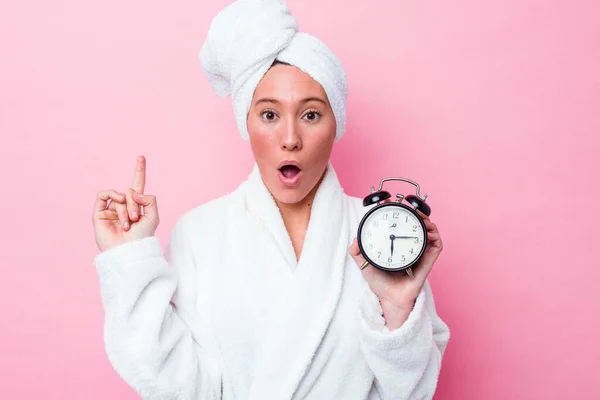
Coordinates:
290 122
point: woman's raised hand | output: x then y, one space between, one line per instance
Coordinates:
119 217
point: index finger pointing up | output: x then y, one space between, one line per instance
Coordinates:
139 178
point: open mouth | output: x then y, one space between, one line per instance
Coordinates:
289 173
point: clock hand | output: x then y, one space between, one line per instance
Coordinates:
392 237
405 237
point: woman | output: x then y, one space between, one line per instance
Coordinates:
259 294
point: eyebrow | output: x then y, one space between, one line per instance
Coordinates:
275 101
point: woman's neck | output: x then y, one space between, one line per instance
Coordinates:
296 217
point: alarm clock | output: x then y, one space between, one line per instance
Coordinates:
392 236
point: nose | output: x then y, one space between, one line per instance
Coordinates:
290 137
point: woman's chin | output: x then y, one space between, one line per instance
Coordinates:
289 196
294 194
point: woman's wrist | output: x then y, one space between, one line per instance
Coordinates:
395 315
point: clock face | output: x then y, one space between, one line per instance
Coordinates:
392 236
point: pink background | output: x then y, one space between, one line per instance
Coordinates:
493 107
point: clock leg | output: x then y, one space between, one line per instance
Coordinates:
410 273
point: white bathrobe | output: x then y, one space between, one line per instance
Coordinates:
229 313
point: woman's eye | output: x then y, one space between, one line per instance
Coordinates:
269 115
312 115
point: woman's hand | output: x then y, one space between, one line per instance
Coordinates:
119 218
397 291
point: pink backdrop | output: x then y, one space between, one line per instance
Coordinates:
493 107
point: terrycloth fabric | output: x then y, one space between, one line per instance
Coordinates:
244 40
229 313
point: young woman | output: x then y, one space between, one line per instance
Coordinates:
259 294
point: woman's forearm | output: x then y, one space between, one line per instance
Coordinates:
146 340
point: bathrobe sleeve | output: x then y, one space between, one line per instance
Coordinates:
147 339
406 361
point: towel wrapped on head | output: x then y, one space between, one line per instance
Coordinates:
244 40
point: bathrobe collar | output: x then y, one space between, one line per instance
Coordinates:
293 325
262 207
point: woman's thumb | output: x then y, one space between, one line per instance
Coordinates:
149 203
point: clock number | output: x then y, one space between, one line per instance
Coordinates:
379 254
390 259
396 215
412 251
406 220
370 246
403 258
376 224
416 240
385 216
414 228
369 233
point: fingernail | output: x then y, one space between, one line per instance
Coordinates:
126 225
134 215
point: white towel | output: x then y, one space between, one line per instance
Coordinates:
244 40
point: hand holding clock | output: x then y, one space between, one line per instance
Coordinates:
396 290
118 217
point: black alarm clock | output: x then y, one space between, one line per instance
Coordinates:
392 236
